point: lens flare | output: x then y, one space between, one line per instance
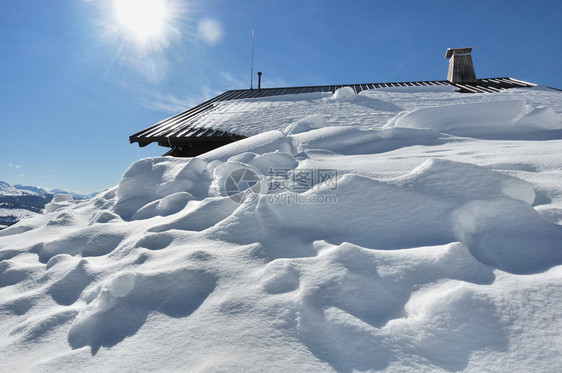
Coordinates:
142 18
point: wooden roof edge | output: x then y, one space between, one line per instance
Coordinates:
191 109
144 141
334 85
520 81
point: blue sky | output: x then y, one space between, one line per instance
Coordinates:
75 84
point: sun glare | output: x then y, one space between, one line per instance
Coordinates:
143 18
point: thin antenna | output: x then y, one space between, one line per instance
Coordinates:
252 70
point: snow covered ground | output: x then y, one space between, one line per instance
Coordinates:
19 202
398 229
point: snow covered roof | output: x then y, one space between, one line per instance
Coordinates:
191 132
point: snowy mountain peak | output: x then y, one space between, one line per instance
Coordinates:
32 189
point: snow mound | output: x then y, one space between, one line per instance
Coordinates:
90 241
306 124
271 161
125 301
542 117
59 201
344 94
266 142
439 202
475 119
353 140
149 181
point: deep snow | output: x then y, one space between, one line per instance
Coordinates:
373 237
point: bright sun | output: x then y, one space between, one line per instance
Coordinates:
143 18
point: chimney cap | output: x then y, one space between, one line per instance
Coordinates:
452 51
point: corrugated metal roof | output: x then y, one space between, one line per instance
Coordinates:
182 128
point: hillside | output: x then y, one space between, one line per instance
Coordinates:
399 230
18 202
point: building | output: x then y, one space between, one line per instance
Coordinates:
191 132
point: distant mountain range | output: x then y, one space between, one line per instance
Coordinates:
21 201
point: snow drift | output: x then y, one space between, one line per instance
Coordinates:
349 247
473 119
